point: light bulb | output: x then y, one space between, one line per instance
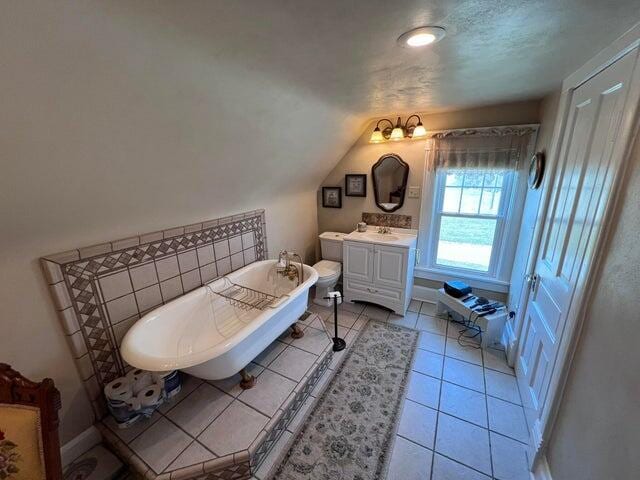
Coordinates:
419 131
376 136
421 39
397 134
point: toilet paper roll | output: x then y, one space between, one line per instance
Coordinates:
121 389
170 381
150 396
139 379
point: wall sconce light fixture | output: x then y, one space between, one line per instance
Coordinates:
398 131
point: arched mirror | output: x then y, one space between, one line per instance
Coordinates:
390 175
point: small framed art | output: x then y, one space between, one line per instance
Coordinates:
355 185
332 197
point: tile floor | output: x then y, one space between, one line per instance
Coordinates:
212 419
462 417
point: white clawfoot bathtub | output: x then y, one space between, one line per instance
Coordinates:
211 337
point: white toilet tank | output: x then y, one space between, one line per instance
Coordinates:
331 245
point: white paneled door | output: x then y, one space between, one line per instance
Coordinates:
589 157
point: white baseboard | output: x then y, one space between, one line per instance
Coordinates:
80 444
424 294
541 471
510 343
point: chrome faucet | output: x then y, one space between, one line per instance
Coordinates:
285 268
384 230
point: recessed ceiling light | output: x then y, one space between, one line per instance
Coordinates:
421 36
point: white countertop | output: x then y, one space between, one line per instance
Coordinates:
398 237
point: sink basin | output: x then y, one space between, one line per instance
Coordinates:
382 237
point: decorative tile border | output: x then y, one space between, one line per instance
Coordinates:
387 220
239 465
101 290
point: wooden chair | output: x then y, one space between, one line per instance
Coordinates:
29 443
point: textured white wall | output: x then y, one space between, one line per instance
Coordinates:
111 126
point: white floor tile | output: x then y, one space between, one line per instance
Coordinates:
409 320
234 430
502 386
469 354
418 423
313 341
507 419
199 409
428 363
128 434
360 323
352 307
270 353
342 331
432 342
431 324
231 385
509 458
463 373
195 453
293 363
446 469
428 308
463 442
409 461
376 313
463 403
423 389
324 312
270 391
496 360
414 306
160 444
345 318
189 384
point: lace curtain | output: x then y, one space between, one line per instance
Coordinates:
491 148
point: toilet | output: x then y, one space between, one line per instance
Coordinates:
330 267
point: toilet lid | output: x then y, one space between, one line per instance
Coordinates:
327 268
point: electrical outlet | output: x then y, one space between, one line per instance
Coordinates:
414 192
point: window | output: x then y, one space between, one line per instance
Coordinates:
469 217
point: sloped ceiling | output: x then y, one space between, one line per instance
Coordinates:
191 97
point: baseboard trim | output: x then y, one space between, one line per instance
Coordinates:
80 444
510 343
542 471
424 294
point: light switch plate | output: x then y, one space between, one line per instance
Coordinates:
414 192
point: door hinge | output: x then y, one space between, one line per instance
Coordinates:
532 279
417 256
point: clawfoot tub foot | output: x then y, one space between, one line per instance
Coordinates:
296 331
248 381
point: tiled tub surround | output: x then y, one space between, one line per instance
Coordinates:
214 429
100 291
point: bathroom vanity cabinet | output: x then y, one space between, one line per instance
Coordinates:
378 268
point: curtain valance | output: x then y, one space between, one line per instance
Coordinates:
498 148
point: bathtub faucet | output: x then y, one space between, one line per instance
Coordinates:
287 269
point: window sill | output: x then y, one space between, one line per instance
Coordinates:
475 281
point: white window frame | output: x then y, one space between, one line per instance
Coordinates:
505 240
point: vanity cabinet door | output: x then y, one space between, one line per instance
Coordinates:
390 266
358 261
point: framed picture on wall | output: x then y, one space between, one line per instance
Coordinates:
332 197
355 185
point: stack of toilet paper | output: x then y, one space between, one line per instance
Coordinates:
139 394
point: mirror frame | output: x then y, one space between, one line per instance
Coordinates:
404 180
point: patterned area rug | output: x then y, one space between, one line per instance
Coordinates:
349 433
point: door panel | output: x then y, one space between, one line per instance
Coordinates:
358 261
390 266
586 163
